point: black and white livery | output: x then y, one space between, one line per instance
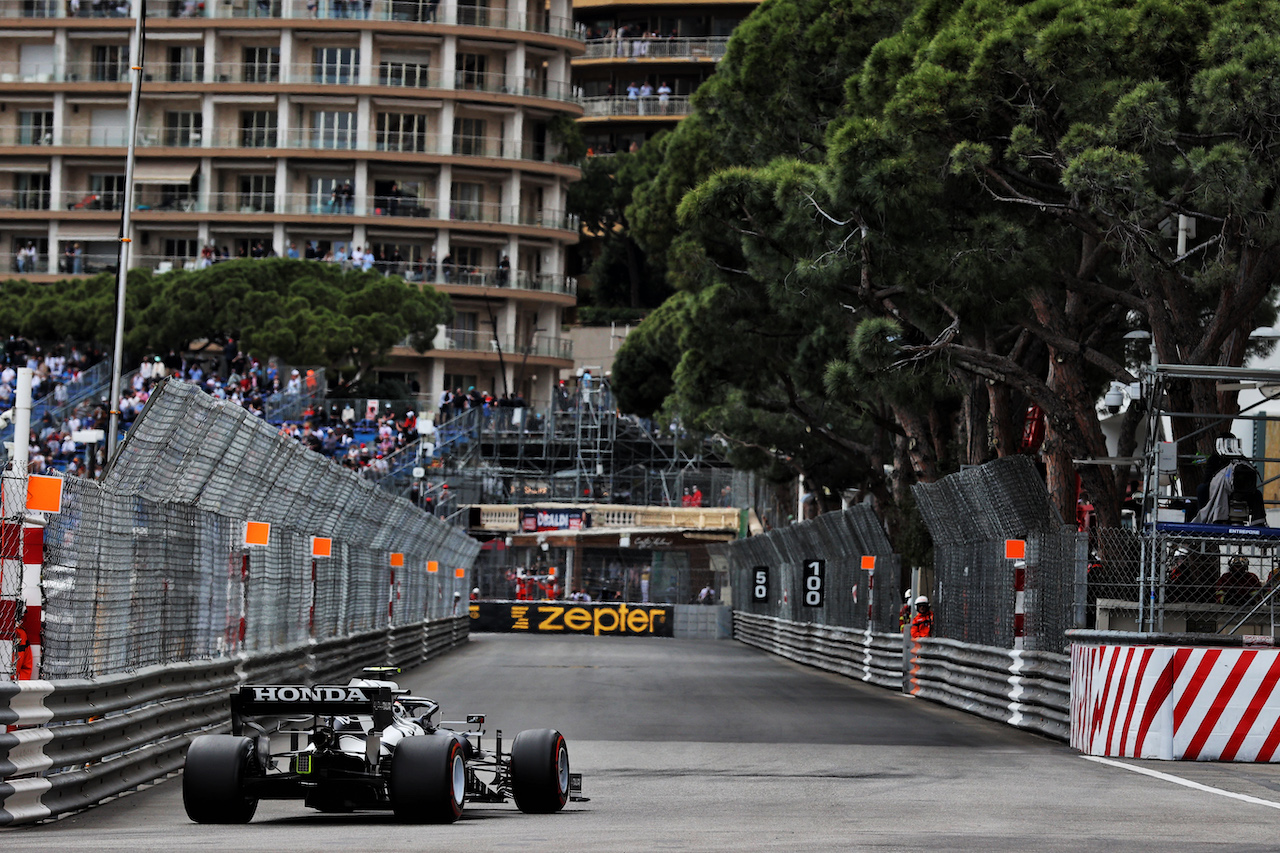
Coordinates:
367 745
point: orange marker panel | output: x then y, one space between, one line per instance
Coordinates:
44 494
257 533
1015 549
321 546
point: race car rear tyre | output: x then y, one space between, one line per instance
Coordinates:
428 779
213 789
540 771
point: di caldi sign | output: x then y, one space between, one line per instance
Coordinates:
538 520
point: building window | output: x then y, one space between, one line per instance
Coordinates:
258 128
402 132
413 74
110 63
186 64
474 14
459 380
176 197
109 190
257 194
467 201
31 191
336 65
472 69
35 127
334 129
182 128
469 136
261 64
181 250
328 195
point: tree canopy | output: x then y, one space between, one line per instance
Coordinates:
991 203
303 312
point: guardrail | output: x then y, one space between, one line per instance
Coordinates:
1025 689
865 655
70 744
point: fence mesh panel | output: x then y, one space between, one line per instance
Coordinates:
969 516
840 540
1170 581
149 566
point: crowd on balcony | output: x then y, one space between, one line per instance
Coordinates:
631 39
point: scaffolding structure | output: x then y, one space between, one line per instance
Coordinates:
1181 565
580 449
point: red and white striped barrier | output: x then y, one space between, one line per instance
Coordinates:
1175 702
1019 604
21 560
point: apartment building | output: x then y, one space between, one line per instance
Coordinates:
656 44
419 130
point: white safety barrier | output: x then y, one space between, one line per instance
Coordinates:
1026 689
1137 698
70 744
864 655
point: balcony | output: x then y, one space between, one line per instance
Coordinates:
413 271
493 277
468 341
388 75
306 139
614 106
711 49
408 11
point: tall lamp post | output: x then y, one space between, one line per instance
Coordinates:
137 52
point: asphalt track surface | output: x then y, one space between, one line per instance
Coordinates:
703 745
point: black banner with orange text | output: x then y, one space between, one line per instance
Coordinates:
573 617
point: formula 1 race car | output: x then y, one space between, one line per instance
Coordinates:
366 745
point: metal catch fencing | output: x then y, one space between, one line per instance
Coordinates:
1184 582
813 572
970 515
150 565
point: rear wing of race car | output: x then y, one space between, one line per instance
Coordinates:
291 700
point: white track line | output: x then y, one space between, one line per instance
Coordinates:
1178 780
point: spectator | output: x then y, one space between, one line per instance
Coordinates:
1238 586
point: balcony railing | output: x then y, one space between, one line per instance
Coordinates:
427 272
413 11
297 138
438 273
711 48
469 341
401 206
394 75
612 106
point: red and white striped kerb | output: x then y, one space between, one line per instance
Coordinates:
1176 702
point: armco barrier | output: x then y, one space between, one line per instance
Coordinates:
1174 697
1026 689
70 744
864 655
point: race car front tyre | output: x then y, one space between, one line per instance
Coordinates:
428 779
540 771
213 789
